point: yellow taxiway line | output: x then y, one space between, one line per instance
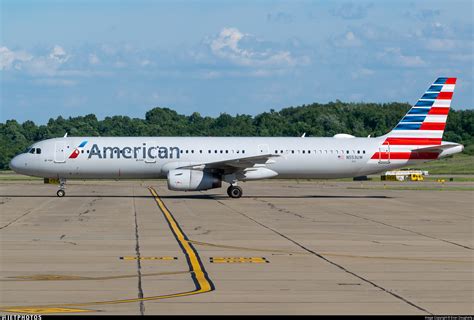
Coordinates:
198 273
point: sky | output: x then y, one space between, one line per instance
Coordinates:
73 58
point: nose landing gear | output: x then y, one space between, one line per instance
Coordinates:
62 185
234 191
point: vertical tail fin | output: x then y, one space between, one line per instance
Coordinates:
425 122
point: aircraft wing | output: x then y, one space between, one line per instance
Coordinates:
231 165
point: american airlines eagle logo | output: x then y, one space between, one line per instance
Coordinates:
77 151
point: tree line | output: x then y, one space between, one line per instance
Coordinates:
359 119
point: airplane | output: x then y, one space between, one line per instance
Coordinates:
202 163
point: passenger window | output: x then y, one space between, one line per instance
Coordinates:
309 151
304 151
38 151
227 151
243 151
82 151
221 151
215 151
281 151
363 151
192 151
276 151
292 151
237 151
347 151
358 151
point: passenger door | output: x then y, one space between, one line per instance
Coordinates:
60 152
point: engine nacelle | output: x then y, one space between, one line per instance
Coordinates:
192 180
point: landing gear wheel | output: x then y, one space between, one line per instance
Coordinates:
61 193
234 191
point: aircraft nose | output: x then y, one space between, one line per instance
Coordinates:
15 164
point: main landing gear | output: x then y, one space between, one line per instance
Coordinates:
62 185
234 191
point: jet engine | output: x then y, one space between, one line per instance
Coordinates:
192 180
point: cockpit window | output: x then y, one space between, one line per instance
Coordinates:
32 150
38 150
27 150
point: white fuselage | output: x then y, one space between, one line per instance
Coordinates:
154 157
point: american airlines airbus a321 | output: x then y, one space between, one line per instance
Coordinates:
202 163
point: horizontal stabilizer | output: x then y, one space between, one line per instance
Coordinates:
443 150
439 148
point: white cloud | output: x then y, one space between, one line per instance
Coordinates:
34 65
12 59
58 54
239 48
395 56
351 11
349 39
54 67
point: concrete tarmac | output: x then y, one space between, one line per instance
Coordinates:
286 247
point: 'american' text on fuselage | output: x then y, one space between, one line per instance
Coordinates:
149 152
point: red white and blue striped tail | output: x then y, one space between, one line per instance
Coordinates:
424 124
